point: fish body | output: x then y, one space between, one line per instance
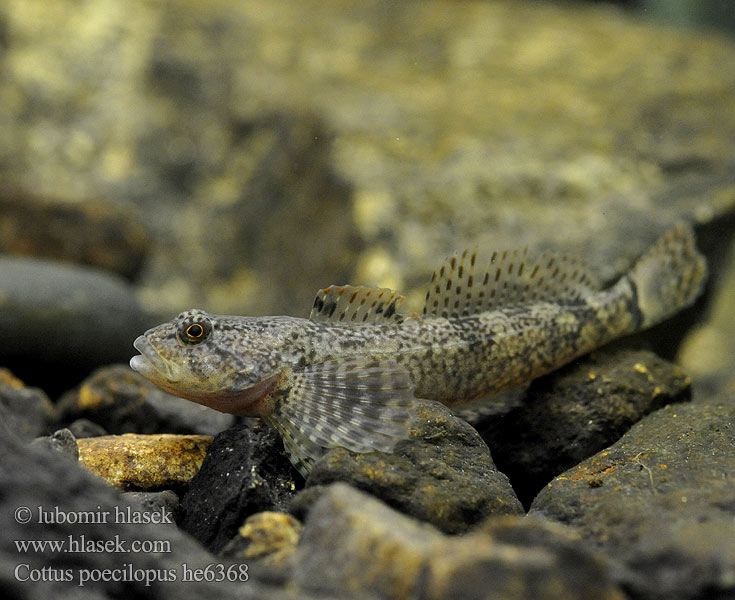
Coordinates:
349 375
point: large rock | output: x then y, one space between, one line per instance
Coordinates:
443 474
356 546
577 411
660 501
26 411
60 321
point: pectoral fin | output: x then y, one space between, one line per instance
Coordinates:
363 406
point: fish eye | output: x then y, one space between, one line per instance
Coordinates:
194 330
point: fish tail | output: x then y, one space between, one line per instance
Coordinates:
669 276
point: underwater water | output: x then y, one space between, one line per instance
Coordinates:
238 157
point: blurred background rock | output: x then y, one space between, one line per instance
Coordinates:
237 156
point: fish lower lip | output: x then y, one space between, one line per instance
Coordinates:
149 362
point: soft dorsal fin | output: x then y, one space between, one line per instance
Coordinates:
356 305
464 285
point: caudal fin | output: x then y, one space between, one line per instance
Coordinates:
669 276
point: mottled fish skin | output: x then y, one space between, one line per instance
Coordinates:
348 375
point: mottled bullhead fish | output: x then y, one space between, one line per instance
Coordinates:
349 374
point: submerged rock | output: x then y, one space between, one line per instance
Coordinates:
145 462
245 472
61 321
661 501
26 411
355 545
268 537
443 475
122 401
62 441
572 413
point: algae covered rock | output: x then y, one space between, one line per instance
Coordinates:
577 411
660 501
148 462
355 545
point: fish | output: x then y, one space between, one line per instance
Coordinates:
350 375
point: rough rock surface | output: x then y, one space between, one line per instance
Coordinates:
577 411
661 501
245 472
26 411
144 462
60 321
443 474
268 537
122 401
353 544
61 441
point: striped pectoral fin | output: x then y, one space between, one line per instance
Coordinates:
360 405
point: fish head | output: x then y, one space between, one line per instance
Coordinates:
227 363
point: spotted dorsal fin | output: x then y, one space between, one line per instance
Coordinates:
356 305
465 285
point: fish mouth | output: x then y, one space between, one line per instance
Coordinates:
149 363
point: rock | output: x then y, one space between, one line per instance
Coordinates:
45 228
443 475
122 401
31 478
61 321
146 462
165 502
84 428
28 412
577 411
245 472
268 537
62 441
355 545
660 501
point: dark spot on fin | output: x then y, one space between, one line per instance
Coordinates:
361 405
356 305
507 279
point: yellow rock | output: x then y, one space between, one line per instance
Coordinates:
144 461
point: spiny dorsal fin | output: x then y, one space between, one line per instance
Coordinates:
356 305
465 285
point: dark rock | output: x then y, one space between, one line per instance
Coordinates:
443 475
245 471
122 401
62 441
577 411
27 411
144 462
33 478
353 544
84 428
661 501
61 321
166 501
93 233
